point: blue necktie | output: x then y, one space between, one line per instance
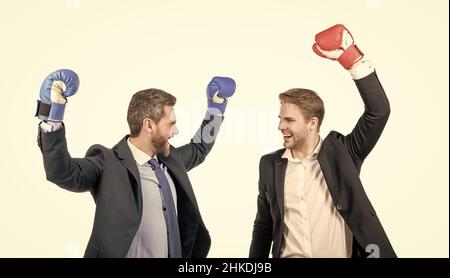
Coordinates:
170 215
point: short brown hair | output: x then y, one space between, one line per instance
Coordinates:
147 104
308 101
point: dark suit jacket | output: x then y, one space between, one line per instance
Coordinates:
340 159
111 175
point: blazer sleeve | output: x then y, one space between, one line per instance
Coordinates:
74 174
262 228
195 152
370 125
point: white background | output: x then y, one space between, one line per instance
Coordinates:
120 47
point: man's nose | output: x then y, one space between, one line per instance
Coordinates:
175 130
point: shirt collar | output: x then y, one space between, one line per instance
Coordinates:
138 155
288 153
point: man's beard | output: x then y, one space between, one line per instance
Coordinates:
297 143
161 146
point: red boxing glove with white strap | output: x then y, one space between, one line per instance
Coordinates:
336 43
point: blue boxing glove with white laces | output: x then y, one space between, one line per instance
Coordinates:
55 89
218 92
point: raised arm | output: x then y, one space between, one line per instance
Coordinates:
336 43
74 174
217 92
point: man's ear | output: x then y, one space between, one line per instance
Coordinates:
314 124
148 125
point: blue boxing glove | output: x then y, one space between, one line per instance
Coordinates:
55 89
218 90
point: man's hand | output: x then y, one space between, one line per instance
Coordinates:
55 89
217 92
336 43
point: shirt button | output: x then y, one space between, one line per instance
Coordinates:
338 207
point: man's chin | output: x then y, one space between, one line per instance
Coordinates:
287 145
166 150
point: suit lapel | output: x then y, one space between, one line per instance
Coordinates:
127 160
280 172
180 176
326 171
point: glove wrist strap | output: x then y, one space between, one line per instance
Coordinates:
57 112
42 110
350 56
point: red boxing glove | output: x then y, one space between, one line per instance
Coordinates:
336 43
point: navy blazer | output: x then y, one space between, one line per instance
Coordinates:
112 177
340 159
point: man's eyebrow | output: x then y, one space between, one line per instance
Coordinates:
287 118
